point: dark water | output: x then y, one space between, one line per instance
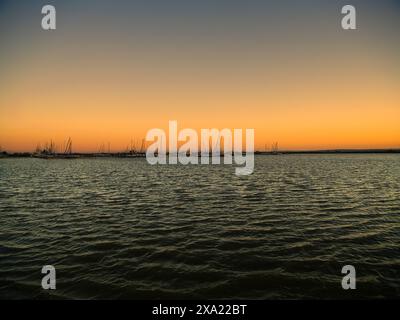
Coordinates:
120 228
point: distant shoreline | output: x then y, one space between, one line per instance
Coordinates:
333 151
142 155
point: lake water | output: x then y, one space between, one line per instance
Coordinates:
120 228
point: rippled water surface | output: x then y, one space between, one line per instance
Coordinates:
120 228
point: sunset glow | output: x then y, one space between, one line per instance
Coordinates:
97 79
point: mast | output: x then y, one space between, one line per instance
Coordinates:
274 148
142 146
68 147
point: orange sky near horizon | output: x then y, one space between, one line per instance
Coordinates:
299 109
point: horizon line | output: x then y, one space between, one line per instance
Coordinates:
355 150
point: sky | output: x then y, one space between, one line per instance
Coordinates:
112 70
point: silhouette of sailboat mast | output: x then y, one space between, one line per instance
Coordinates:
49 151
